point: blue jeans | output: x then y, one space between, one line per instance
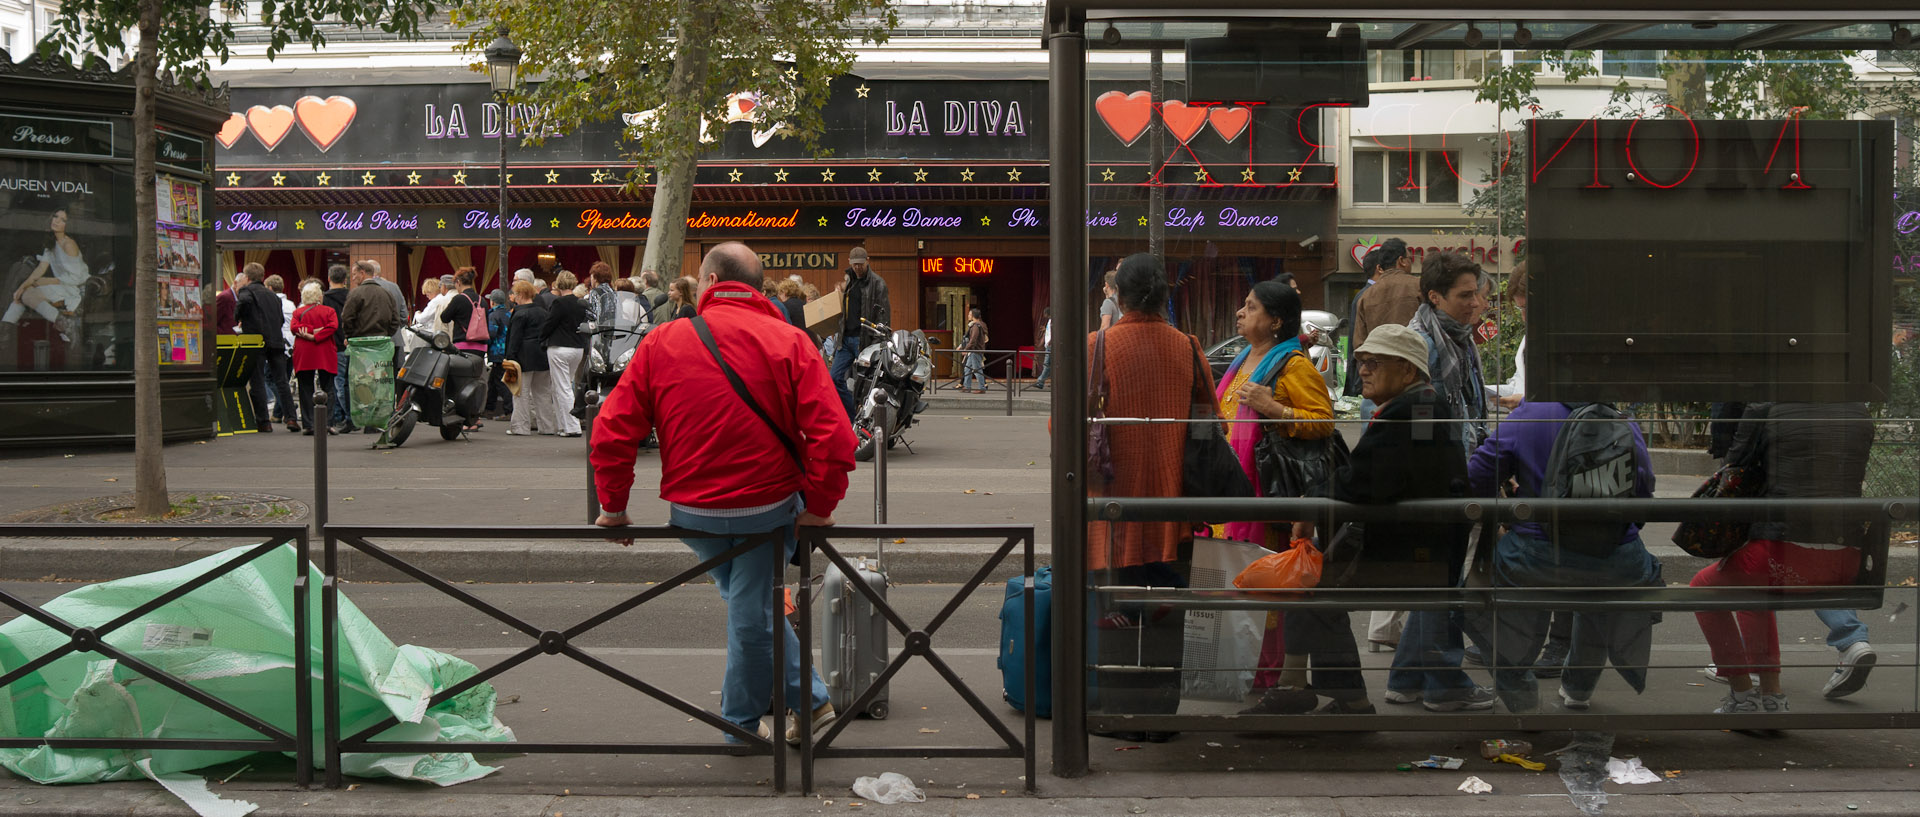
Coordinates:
748 587
1844 628
1046 368
973 369
337 407
843 354
1514 637
1432 641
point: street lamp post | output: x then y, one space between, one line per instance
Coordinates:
503 66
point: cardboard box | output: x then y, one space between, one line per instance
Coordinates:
823 313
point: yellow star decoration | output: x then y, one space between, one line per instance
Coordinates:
509 178
460 177
367 177
645 174
554 223
1143 221
300 224
414 177
323 179
823 221
986 221
233 180
862 90
792 74
440 224
966 174
1013 175
780 175
553 176
1293 175
1106 175
826 175
1200 175
733 175
599 175
873 175
1246 175
919 174
279 179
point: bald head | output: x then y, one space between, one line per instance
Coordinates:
732 261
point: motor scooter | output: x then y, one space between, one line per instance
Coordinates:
1324 328
891 373
441 386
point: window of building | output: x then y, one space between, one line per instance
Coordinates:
1413 66
7 37
1630 63
1403 177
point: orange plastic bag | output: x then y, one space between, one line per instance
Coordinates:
1296 567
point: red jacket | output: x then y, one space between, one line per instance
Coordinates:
318 354
714 453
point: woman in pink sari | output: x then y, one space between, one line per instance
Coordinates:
1272 380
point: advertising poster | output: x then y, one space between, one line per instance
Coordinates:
66 264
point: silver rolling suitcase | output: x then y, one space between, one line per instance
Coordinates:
853 634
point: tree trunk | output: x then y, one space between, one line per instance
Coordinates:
673 191
1687 87
149 461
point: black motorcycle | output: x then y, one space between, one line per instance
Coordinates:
441 386
891 373
609 349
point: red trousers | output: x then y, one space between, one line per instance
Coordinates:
1749 641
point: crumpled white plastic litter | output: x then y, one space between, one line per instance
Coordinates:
1630 771
889 788
1475 785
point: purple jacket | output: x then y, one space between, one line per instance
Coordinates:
1520 451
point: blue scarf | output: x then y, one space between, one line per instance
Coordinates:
1263 372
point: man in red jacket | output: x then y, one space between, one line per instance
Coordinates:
727 471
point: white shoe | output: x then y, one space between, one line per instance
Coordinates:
1396 697
1713 674
1567 700
1851 675
1738 703
1773 703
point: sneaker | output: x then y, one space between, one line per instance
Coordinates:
1474 656
821 717
1851 675
1568 700
1284 701
1474 698
1773 703
1552 660
1713 674
1395 696
760 728
1737 703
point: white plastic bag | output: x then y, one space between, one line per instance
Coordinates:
889 788
1221 638
1630 771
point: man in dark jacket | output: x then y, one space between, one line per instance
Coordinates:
369 312
533 406
336 299
728 472
866 300
259 313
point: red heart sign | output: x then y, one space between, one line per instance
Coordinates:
1360 250
1126 115
270 125
1183 120
231 131
1229 121
323 120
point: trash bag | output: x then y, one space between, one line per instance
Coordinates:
889 788
233 639
1296 567
370 381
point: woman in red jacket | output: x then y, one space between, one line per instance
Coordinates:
313 353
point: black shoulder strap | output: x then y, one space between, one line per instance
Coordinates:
739 388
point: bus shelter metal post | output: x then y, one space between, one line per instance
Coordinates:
1067 56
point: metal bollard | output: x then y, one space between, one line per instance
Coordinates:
593 495
320 433
1011 360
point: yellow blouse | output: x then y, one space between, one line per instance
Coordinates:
1300 387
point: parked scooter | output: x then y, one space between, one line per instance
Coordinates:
609 349
891 374
440 386
1325 329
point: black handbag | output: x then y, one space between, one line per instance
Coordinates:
1210 468
1287 466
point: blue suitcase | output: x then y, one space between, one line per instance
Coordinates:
1013 655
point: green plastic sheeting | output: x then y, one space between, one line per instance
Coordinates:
234 640
370 381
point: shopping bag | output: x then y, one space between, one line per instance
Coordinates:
1296 567
1221 646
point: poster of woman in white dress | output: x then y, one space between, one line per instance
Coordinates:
64 257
